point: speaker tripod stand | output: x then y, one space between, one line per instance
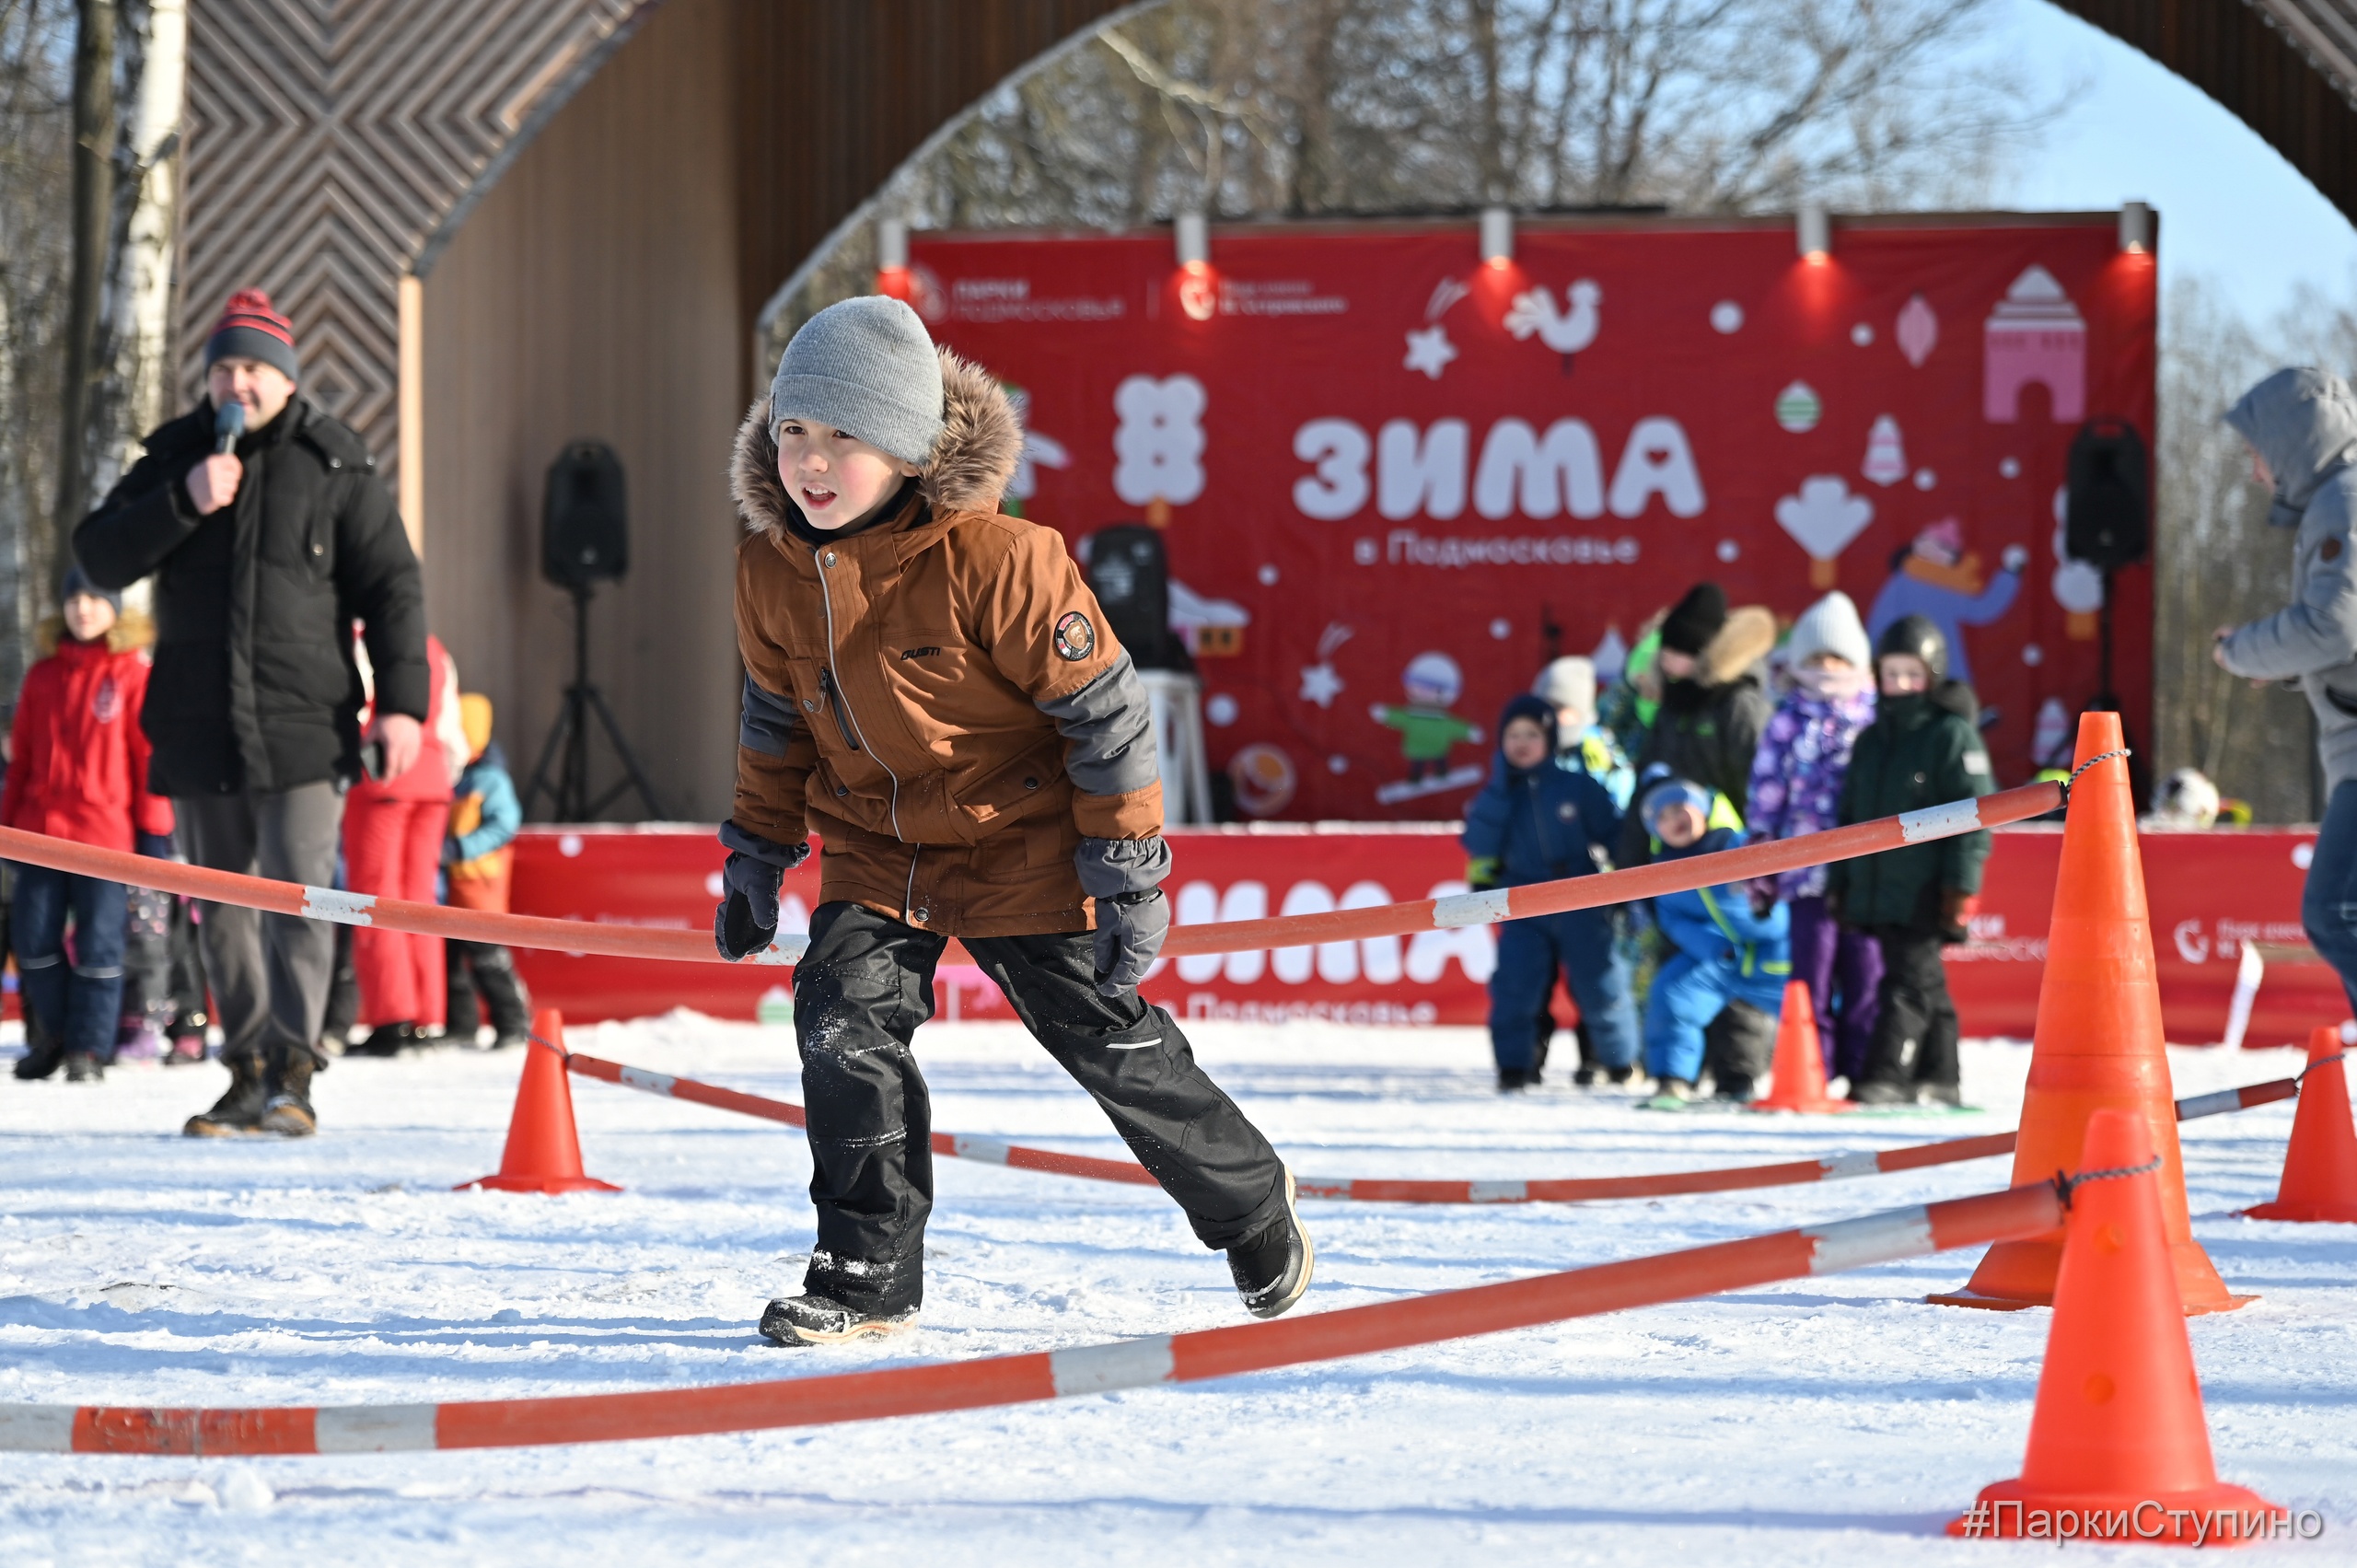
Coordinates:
569 796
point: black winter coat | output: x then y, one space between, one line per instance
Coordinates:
255 686
1922 751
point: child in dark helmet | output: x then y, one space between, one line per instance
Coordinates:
931 686
1922 749
1538 822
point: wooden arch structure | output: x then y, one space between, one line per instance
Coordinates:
502 224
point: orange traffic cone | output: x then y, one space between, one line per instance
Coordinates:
2098 1038
543 1152
2320 1165
2119 1448
1800 1060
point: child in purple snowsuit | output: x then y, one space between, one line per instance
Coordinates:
1796 788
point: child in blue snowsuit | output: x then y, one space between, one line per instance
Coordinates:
1535 822
1727 948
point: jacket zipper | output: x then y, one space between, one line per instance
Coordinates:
835 695
834 704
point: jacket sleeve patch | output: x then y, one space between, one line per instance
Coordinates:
1075 638
1975 761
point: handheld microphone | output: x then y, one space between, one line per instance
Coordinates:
228 424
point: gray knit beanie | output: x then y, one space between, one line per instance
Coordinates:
867 367
1830 626
1569 683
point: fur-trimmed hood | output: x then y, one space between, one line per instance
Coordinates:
1748 636
971 465
131 629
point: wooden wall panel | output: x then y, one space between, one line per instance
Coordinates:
594 293
328 139
2272 64
833 96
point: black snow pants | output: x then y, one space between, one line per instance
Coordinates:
859 994
1915 1036
485 970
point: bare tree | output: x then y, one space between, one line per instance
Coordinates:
93 155
36 138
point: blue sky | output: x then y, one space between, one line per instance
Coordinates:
2231 208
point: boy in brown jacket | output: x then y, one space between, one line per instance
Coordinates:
931 688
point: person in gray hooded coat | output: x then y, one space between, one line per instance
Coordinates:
2301 425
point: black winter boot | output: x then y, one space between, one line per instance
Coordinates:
809 1320
289 1111
239 1110
42 1054
388 1040
1272 1267
82 1067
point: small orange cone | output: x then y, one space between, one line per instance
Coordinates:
1800 1060
2320 1165
2119 1448
2098 1041
543 1152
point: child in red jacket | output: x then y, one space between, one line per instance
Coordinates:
79 771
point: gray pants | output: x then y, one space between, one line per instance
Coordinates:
269 972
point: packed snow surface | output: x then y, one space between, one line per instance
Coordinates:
1837 1420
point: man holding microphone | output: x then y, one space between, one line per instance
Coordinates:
269 534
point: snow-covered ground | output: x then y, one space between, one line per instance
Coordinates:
1831 1421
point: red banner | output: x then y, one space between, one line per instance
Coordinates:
2209 893
1396 479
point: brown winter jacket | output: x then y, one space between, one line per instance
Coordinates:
937 695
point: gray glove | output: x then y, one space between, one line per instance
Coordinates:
1124 875
746 920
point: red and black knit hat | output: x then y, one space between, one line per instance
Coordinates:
250 329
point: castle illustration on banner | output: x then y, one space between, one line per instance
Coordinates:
2035 335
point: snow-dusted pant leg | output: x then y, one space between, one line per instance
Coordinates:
859 993
1686 994
1133 1060
2328 901
269 972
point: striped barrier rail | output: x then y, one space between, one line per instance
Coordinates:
1364 1190
1490 908
1193 1357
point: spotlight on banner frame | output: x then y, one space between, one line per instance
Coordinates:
1813 227
1497 236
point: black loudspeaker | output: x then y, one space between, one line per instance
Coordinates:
1130 574
2109 524
585 520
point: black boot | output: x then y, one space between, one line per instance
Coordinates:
386 1039
239 1110
43 1052
809 1320
1272 1267
81 1067
289 1112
